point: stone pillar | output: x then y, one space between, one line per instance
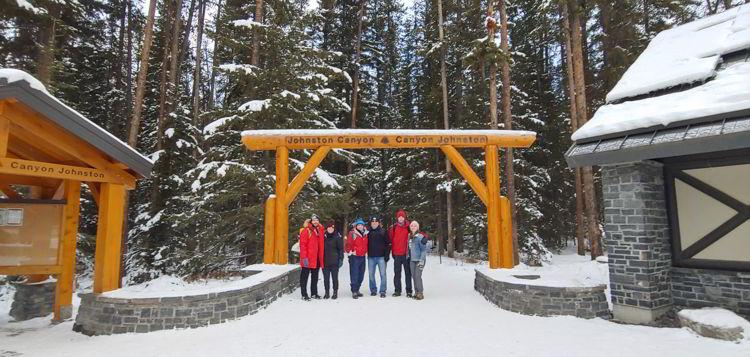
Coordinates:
638 240
33 300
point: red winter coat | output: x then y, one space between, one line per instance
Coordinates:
399 238
356 243
311 246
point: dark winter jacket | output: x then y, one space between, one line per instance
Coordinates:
378 243
334 249
399 235
311 247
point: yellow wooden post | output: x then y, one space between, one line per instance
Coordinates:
108 237
64 293
493 197
506 233
268 231
281 221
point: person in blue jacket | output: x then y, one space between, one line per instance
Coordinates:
417 257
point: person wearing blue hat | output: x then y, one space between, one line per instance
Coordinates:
378 250
356 249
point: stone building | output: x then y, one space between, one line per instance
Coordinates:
673 144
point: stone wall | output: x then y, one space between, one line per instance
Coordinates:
585 302
101 315
638 240
695 288
33 300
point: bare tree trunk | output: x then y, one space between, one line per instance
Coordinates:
214 62
491 25
47 53
580 235
140 89
587 177
510 185
446 125
198 63
255 59
355 78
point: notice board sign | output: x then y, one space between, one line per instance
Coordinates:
30 232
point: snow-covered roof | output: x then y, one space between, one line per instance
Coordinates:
685 54
25 88
728 92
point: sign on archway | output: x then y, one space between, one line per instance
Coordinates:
323 140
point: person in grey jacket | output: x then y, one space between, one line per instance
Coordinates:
417 257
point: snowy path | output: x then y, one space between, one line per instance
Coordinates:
453 320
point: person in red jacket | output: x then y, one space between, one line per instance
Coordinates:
399 233
356 249
311 256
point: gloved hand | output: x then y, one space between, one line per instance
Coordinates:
341 263
420 265
306 264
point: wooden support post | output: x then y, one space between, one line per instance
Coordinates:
305 174
466 171
268 231
506 232
108 237
493 198
64 291
281 219
4 133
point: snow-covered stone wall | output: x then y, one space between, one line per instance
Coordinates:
694 288
104 315
529 299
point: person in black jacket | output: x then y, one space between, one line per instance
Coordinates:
333 258
378 250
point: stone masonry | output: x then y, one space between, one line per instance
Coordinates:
101 315
696 288
638 240
33 300
585 302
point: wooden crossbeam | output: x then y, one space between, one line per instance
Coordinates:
30 269
466 171
305 174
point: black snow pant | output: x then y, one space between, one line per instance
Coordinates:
398 262
331 272
313 274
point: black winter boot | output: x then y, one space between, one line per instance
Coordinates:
326 296
334 296
398 293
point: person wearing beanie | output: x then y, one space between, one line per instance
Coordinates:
378 250
310 256
333 259
356 249
399 234
417 257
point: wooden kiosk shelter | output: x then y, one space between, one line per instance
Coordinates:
47 150
323 140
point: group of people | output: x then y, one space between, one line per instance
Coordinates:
324 247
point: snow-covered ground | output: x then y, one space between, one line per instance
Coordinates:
453 320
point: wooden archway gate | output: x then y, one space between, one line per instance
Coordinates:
323 140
